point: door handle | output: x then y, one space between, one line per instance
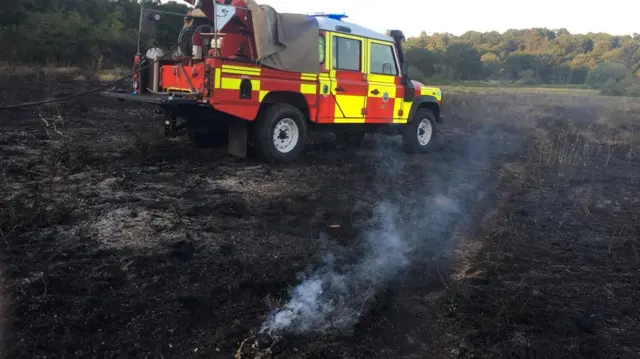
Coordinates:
340 89
375 92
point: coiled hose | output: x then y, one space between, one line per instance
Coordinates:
185 37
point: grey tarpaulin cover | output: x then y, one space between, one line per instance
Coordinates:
286 42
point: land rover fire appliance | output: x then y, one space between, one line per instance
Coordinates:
250 77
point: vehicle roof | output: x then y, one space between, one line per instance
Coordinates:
330 24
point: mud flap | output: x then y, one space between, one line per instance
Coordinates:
238 136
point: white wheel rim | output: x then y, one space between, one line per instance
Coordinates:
286 135
425 131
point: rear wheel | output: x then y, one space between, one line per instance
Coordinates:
419 135
281 133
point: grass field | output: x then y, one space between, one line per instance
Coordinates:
551 90
517 237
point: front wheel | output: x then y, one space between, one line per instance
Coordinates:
281 133
420 134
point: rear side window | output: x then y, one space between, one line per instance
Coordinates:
322 49
346 54
382 60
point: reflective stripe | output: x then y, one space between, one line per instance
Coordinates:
242 70
308 89
218 80
308 77
234 84
386 79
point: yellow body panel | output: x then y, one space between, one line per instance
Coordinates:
352 108
262 95
406 108
431 91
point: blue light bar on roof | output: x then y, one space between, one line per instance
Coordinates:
330 16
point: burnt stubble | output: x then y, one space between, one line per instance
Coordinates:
118 243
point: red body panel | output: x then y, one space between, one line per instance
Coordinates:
379 111
180 77
238 46
326 108
354 83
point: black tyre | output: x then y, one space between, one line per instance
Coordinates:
350 139
419 135
280 133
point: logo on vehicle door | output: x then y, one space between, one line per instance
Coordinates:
385 97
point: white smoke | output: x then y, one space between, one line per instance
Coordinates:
334 295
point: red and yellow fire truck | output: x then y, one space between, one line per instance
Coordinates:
251 77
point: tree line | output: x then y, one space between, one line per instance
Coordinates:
530 56
88 33
103 34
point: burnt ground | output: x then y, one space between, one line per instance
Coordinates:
118 243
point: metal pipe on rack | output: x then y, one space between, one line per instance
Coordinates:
215 27
140 26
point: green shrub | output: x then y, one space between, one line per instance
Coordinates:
628 86
601 75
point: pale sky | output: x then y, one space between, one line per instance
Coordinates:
617 17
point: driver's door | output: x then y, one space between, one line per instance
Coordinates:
384 95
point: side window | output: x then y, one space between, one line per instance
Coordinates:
323 48
346 54
382 60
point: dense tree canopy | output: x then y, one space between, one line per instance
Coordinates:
526 56
80 32
102 33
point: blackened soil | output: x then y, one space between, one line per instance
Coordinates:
118 243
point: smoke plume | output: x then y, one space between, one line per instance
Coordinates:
411 221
